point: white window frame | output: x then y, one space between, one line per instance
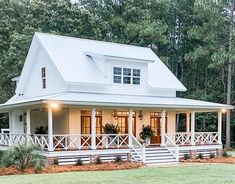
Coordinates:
122 75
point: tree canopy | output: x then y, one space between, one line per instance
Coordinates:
192 37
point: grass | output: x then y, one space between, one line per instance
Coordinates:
181 174
232 153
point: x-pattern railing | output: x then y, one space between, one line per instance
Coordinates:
206 137
112 140
184 138
180 138
67 142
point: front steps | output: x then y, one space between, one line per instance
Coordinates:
153 156
156 156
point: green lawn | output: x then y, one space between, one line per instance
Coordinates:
208 174
232 153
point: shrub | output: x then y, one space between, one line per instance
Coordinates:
23 156
118 159
98 160
79 162
187 156
212 155
200 156
55 161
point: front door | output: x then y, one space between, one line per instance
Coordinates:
123 124
155 124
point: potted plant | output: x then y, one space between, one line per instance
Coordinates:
41 130
109 128
146 134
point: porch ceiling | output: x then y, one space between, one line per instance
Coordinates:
112 100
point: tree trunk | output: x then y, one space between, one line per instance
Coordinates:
229 83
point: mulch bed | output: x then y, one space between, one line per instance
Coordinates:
228 160
70 168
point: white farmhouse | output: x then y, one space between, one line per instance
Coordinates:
70 88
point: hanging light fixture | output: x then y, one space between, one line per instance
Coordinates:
140 115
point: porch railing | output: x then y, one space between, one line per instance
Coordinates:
200 138
171 146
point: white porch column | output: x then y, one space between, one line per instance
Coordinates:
10 127
50 129
28 132
193 128
220 127
10 122
93 129
163 125
188 122
130 127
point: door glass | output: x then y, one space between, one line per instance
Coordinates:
86 125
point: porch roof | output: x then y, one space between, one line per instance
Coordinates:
115 100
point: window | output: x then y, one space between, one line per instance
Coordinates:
117 75
86 122
136 76
43 75
126 76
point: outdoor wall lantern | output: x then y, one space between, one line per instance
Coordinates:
140 115
115 114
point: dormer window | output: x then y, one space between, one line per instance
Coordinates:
43 75
126 76
117 75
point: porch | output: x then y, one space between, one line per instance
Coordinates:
80 127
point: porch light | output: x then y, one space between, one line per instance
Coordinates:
54 105
223 110
140 115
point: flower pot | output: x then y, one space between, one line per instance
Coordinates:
147 141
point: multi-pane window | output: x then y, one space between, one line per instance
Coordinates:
86 122
117 75
136 76
43 75
126 76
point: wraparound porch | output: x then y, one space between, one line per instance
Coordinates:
78 128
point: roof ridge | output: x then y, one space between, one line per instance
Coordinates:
90 40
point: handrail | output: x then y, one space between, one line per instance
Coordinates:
176 147
134 148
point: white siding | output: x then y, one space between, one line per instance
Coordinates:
17 125
74 121
54 82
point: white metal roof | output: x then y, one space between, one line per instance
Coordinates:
69 55
122 101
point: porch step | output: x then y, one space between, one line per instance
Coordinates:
156 156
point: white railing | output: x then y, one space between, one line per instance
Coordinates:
171 146
180 138
200 138
112 140
138 149
206 138
71 142
40 140
4 139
